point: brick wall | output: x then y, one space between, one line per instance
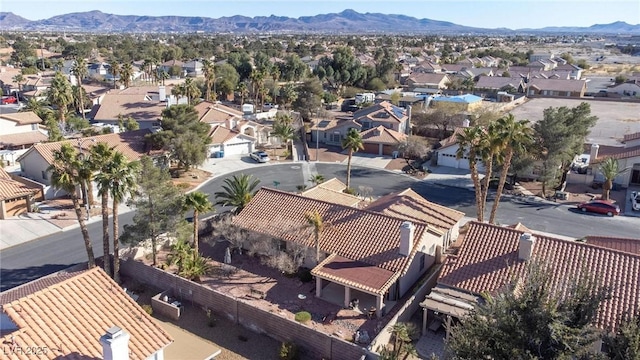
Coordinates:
316 345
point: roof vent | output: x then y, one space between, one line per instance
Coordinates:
525 246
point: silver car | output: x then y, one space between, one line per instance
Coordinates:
260 156
635 200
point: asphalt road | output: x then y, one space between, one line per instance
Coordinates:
26 262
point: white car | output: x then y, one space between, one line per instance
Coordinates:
260 156
635 200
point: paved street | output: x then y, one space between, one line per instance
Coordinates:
28 261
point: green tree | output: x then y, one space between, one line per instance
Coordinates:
116 69
101 156
283 130
352 142
401 334
80 71
609 169
60 95
308 101
517 138
242 89
237 192
199 202
315 220
532 319
19 79
469 145
65 175
317 179
159 207
625 343
208 70
191 90
126 74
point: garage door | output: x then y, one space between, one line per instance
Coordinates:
237 149
451 161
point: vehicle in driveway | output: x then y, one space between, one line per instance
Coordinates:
635 200
600 206
8 100
260 156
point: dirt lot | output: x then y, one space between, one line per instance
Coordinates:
578 193
615 119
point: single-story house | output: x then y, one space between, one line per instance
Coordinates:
368 255
557 87
382 141
78 314
628 157
629 88
230 142
427 80
332 191
466 102
493 84
17 195
20 130
491 256
446 154
144 104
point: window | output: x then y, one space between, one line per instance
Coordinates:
422 261
335 137
44 175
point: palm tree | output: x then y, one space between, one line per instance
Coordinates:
242 89
126 74
610 169
162 75
116 70
80 71
208 70
19 79
146 68
517 137
489 149
101 157
468 142
315 220
317 179
60 94
238 191
284 131
191 90
120 176
65 176
353 143
199 202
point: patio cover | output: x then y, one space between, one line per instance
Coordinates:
355 274
450 301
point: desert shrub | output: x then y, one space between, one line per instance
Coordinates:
281 261
350 191
303 317
288 351
147 308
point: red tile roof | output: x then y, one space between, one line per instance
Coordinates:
22 118
410 205
220 134
622 244
359 235
451 140
488 259
616 152
13 189
24 138
629 137
382 135
328 193
355 274
70 316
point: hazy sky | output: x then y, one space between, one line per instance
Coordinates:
512 14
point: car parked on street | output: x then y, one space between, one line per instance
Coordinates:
260 156
8 100
635 200
600 206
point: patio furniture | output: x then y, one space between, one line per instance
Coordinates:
354 303
372 313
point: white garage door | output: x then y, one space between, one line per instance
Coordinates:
451 161
237 148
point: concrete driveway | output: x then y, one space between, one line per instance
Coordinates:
448 176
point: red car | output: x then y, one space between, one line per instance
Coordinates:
9 100
600 207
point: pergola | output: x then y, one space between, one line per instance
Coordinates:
449 302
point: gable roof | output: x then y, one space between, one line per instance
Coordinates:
216 113
70 316
22 118
410 205
631 246
381 112
331 191
360 235
220 134
23 138
12 189
131 144
615 152
382 135
451 140
428 78
135 102
488 260
557 84
498 82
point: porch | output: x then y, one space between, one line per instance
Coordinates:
364 303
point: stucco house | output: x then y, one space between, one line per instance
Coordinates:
19 131
628 157
144 104
375 255
193 68
446 153
629 88
466 102
428 80
557 87
490 85
80 314
17 195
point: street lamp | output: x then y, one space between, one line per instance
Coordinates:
84 193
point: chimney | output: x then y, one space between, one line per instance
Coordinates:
525 246
466 123
115 344
162 93
406 238
594 152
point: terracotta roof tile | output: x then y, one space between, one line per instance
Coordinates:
361 235
451 140
328 194
211 113
69 317
622 244
382 135
488 259
558 84
334 184
616 152
356 274
629 137
132 102
131 144
410 205
22 118
12 189
25 138
220 134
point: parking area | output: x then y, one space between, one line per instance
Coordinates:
615 119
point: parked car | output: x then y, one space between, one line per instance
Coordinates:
600 207
9 100
635 200
260 156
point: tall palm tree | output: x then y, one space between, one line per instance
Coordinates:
162 75
116 70
352 142
126 74
610 169
65 176
517 137
315 220
468 145
60 94
146 68
101 157
208 70
238 191
284 131
19 79
199 202
242 89
120 176
80 71
191 90
489 149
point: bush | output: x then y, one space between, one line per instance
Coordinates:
305 275
148 309
211 320
288 351
303 317
350 191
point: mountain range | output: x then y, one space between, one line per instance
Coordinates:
347 21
